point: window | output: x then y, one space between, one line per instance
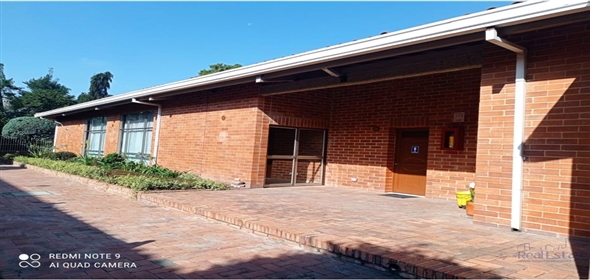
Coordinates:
95 135
137 135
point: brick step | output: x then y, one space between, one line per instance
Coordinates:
405 265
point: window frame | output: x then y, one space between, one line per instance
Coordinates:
92 131
147 118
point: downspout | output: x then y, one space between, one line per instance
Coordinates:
55 135
157 140
519 118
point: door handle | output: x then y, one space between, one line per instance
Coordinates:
396 163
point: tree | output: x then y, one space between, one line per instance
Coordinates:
42 94
100 85
214 68
84 97
29 128
7 89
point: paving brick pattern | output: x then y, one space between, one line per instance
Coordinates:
44 214
429 238
426 238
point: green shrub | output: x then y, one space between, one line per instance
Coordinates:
29 128
73 168
37 153
133 166
112 161
60 155
156 170
209 184
160 171
40 151
139 183
144 183
9 156
86 160
113 158
188 176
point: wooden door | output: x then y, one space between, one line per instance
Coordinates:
410 163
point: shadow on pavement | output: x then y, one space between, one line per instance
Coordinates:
31 226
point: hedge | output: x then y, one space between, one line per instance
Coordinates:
29 128
136 182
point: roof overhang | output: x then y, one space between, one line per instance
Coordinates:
512 15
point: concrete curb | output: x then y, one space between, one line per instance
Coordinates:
405 265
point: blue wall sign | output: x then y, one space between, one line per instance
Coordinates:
415 149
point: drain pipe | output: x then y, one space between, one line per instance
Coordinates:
157 140
519 116
55 135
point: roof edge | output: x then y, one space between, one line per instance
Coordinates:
477 22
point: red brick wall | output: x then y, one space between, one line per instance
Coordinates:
213 134
557 134
223 134
111 143
303 109
70 136
363 122
353 114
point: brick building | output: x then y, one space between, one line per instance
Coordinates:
500 98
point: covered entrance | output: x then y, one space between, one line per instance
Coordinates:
411 157
295 156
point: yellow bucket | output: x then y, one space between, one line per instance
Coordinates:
463 197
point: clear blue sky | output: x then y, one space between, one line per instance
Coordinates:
150 43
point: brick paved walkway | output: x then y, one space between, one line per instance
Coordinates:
425 237
416 233
46 215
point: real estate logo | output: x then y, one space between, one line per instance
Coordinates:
546 253
29 260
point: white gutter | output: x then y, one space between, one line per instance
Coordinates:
473 23
519 117
157 140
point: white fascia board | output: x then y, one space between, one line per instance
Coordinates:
477 22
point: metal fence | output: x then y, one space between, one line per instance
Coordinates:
24 146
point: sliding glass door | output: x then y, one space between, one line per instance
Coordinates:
295 156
